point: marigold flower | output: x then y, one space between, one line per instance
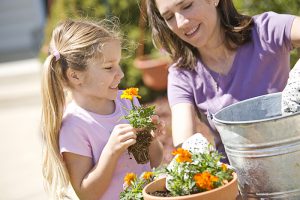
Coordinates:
182 155
224 167
147 175
130 93
205 180
128 178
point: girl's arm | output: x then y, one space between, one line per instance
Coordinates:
183 122
295 33
90 182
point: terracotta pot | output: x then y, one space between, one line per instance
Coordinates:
154 71
225 192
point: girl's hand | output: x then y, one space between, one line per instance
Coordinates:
122 136
160 126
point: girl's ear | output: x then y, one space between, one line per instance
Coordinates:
74 76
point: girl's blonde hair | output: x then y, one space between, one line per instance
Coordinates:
72 44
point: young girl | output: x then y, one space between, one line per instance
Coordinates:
85 141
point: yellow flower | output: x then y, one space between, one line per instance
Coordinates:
147 175
205 180
224 167
130 93
129 178
182 155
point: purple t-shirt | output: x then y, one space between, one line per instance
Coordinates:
86 133
260 67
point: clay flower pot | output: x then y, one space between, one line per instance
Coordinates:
225 192
154 71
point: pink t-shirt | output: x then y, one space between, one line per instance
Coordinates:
86 133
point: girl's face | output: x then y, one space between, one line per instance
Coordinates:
103 75
194 21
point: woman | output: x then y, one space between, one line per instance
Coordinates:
221 57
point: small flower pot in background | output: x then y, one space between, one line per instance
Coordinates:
225 192
154 71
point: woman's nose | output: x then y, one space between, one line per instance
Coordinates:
181 20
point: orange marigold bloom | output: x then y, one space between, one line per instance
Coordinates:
182 155
224 167
130 93
147 175
129 177
205 180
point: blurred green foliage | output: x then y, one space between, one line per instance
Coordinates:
128 12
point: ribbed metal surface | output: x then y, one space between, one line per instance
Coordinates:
263 146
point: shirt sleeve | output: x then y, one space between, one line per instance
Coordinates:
275 30
72 138
179 87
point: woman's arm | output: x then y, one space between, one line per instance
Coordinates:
183 122
295 33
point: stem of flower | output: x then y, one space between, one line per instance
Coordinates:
133 106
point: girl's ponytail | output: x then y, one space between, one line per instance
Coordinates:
53 103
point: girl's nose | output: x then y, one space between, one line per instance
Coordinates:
120 73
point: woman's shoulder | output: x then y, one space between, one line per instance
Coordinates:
271 18
273 30
176 70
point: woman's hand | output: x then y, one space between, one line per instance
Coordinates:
122 136
291 92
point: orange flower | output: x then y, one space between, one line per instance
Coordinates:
147 175
129 178
130 93
224 167
205 180
182 155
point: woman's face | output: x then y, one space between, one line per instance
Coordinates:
194 21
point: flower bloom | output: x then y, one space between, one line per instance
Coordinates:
224 167
130 93
147 175
182 155
128 178
205 180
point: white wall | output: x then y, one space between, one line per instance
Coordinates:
21 26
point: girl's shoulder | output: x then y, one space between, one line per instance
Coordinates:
76 115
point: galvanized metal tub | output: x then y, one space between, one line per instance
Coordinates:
263 146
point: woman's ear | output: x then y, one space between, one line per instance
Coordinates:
74 76
216 2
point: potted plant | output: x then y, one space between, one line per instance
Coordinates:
134 185
194 176
140 118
